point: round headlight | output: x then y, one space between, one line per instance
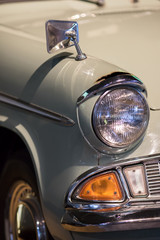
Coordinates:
120 117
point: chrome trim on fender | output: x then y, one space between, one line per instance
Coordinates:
115 79
32 108
131 213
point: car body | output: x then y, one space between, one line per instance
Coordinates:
48 110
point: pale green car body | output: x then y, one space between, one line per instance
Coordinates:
120 34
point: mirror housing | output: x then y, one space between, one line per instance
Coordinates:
61 35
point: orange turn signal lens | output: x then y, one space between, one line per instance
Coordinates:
103 188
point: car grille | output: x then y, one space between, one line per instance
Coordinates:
153 178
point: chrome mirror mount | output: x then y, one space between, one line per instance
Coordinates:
61 35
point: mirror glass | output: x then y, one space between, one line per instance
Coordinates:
56 34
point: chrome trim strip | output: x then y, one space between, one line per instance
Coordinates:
32 108
132 213
113 80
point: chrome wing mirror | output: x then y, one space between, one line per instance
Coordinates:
61 35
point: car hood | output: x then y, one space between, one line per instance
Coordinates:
126 35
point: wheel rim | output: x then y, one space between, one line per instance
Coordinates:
23 215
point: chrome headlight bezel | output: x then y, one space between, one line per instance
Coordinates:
140 132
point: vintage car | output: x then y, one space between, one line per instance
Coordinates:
80 120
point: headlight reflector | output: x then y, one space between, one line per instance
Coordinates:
120 117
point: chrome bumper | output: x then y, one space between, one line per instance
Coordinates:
130 218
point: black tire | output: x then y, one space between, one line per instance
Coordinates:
19 201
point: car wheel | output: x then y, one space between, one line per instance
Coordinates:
21 215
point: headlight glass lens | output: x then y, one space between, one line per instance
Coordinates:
120 117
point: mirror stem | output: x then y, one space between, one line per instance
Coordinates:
72 35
